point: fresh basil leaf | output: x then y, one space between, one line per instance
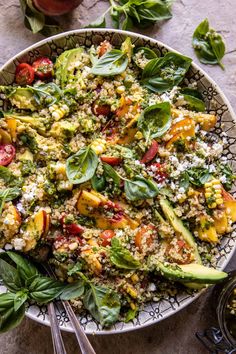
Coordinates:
208 45
6 301
44 289
143 55
5 174
100 22
130 315
103 304
110 172
140 188
34 20
115 16
111 63
127 24
9 318
184 181
153 10
81 166
73 291
10 276
198 176
155 120
74 269
19 299
162 74
25 268
46 94
98 183
7 195
193 99
121 257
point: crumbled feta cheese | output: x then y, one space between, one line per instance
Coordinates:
18 244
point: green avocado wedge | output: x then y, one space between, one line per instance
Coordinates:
179 227
196 273
66 65
23 98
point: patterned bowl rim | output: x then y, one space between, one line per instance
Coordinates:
224 98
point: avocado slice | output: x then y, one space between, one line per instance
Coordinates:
66 64
179 227
23 98
193 272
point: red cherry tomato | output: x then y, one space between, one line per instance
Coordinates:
7 154
151 153
73 228
101 110
24 74
106 237
111 160
104 47
159 171
43 68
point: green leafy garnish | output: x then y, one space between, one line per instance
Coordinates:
226 171
208 44
140 13
145 53
193 99
197 176
7 195
23 281
162 74
140 188
81 166
36 21
111 63
155 120
103 304
121 257
46 94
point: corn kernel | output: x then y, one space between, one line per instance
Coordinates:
212 206
133 306
216 181
134 278
120 89
131 291
219 201
207 195
138 135
207 184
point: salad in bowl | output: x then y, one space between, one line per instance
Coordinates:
109 171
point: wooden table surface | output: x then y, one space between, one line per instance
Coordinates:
175 335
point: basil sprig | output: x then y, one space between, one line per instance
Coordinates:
155 120
81 166
197 176
162 74
111 63
140 13
7 195
144 52
121 257
208 44
24 282
103 304
36 21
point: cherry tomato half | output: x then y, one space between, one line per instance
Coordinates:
43 68
111 160
151 153
73 228
24 74
104 47
101 110
106 237
7 154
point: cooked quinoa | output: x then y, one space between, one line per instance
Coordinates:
92 174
